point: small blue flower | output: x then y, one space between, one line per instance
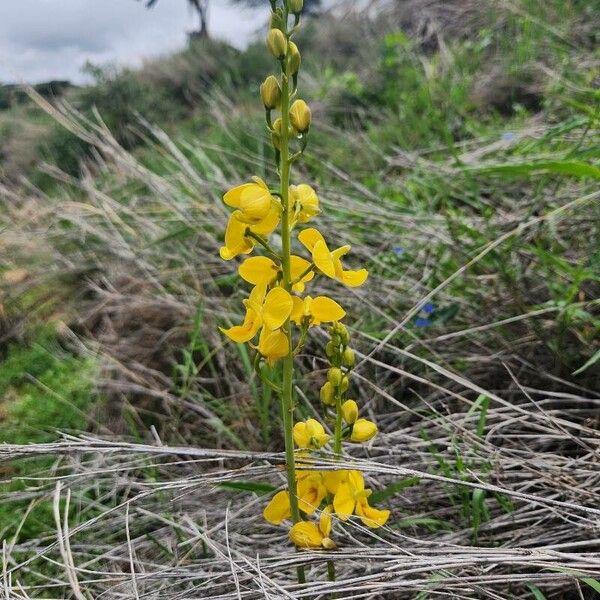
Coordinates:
428 308
509 136
398 250
423 322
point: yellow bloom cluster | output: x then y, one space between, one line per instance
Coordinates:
279 312
343 493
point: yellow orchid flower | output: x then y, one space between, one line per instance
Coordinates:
363 430
330 263
310 434
271 310
315 311
253 200
279 509
261 270
236 239
311 491
306 203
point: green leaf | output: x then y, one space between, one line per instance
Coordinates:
574 168
537 593
589 363
593 583
248 486
392 490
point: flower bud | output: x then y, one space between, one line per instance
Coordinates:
344 384
277 19
327 394
300 116
348 358
277 43
350 411
270 92
295 59
334 376
363 430
296 6
330 350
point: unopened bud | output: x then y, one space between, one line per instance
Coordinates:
300 116
270 92
363 430
350 411
344 384
327 394
295 59
296 6
331 350
277 43
348 357
334 376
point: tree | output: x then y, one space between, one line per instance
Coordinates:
200 7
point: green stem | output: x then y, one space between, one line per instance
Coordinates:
337 440
287 401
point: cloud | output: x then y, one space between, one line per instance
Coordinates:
53 39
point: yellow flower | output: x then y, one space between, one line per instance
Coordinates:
350 411
277 43
325 520
310 434
272 345
311 491
306 535
253 319
306 203
333 479
278 509
253 200
363 430
261 270
315 311
236 240
330 263
271 310
371 517
270 92
347 493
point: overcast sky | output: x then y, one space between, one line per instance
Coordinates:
52 39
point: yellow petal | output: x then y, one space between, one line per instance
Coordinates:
277 308
258 270
299 266
371 517
301 435
235 241
343 501
306 535
232 197
309 237
297 313
354 278
245 332
324 310
350 411
356 481
363 430
323 259
255 203
268 225
273 345
311 492
325 521
333 479
278 509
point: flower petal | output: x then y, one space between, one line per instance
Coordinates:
306 535
245 332
235 241
309 237
323 259
278 509
371 517
325 310
354 278
268 225
277 308
258 270
343 501
273 345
